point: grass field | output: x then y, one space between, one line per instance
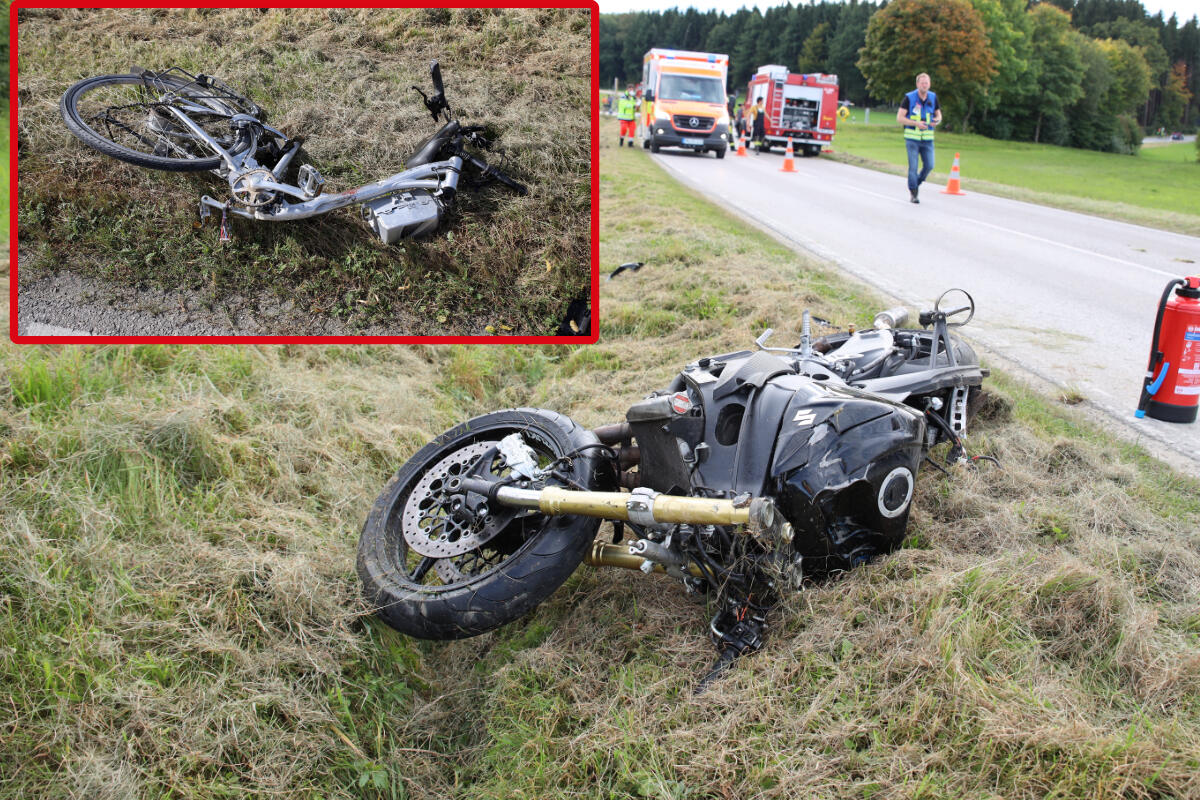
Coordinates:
179 613
1159 187
342 79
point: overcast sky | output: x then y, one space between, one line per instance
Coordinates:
1185 9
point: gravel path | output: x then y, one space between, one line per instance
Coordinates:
51 303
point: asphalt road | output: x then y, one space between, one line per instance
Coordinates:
1068 297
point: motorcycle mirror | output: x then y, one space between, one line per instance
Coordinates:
762 340
435 74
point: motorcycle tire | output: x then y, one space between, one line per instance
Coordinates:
533 561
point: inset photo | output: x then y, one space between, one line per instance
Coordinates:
294 174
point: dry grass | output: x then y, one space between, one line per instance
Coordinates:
179 614
341 78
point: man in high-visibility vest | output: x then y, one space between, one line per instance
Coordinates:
920 112
627 113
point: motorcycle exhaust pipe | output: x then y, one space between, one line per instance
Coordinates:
615 433
891 318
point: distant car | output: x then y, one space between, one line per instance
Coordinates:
1177 136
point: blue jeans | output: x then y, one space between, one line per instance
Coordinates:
925 149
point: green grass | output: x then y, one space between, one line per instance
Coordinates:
1175 153
179 613
4 186
1160 186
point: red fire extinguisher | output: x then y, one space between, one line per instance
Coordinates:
1171 390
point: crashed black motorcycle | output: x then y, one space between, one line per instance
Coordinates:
750 473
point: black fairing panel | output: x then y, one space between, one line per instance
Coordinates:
833 459
430 148
743 410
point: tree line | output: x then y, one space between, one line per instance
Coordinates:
1086 73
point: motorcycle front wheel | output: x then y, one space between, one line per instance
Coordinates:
468 580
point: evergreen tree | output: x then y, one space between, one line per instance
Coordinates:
815 52
849 38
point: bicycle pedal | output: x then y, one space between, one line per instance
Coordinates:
311 182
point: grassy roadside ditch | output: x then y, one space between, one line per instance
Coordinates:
178 612
341 78
1152 188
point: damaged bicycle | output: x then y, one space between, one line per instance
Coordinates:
175 121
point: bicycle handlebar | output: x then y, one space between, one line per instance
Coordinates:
491 173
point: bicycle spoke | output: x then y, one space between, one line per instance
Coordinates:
145 118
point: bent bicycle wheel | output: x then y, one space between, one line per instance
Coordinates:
432 574
129 117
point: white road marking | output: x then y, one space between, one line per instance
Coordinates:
1091 253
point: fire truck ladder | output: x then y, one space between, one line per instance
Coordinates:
775 105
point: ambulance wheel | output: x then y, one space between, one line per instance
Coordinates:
653 146
645 144
720 152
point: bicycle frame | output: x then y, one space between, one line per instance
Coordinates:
245 175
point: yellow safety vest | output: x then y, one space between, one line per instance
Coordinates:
922 110
625 107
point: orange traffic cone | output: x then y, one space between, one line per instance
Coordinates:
742 145
789 160
954 186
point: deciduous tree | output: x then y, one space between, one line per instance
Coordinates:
945 38
1058 69
1131 76
1175 95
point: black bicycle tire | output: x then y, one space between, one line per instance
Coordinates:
83 132
513 589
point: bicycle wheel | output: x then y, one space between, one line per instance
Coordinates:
129 117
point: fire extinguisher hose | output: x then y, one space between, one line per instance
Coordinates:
1150 385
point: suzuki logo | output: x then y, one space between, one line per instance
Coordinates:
804 417
695 123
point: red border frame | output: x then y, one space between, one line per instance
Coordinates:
590 5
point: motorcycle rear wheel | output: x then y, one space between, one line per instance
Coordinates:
504 578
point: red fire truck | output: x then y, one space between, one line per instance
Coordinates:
802 106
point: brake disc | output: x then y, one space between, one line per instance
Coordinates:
427 523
